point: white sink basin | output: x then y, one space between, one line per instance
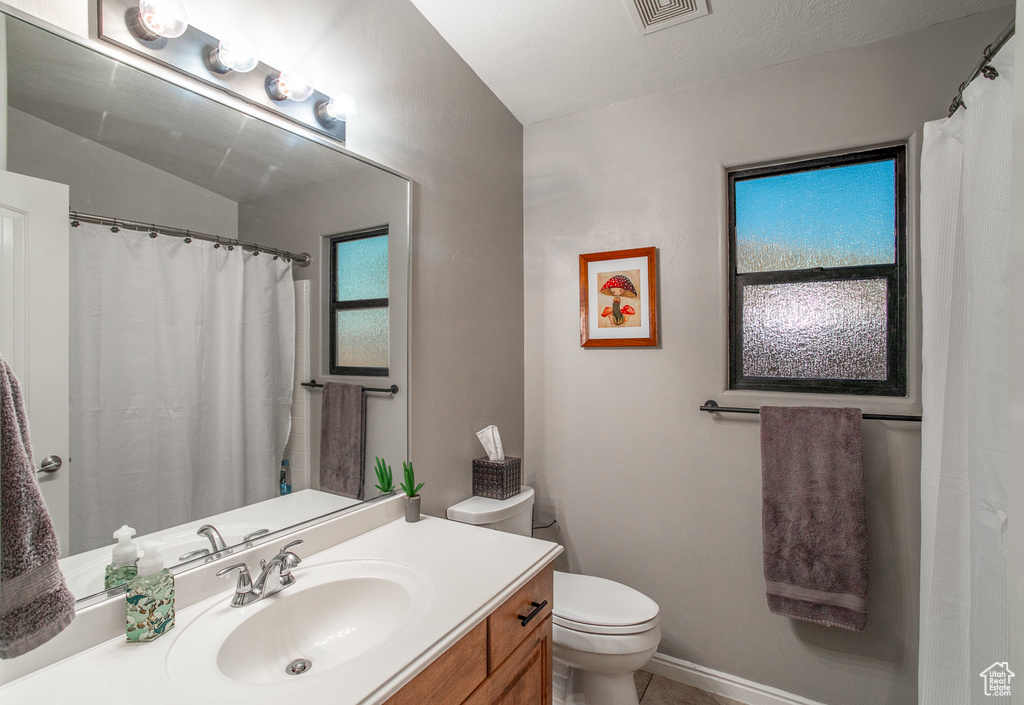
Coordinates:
336 614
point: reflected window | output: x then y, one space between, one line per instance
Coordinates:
359 303
818 275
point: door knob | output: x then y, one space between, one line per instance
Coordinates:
51 463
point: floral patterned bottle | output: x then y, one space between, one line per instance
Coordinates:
150 597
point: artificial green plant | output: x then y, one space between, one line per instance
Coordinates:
385 480
409 486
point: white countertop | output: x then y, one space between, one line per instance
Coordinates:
469 571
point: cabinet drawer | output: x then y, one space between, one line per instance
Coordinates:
451 677
506 622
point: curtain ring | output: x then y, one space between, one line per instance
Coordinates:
114 228
74 219
188 237
216 242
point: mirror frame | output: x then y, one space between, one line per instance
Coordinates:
194 85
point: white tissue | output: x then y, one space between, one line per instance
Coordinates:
491 441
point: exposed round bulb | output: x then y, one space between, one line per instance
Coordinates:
341 107
235 52
162 18
292 84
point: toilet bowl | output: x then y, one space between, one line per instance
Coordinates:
602 631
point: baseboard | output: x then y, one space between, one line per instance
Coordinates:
723 684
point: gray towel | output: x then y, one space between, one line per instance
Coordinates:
343 439
35 604
812 514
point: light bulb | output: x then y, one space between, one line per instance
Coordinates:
292 84
235 52
341 107
159 18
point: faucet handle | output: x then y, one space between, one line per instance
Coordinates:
244 579
288 559
194 554
254 534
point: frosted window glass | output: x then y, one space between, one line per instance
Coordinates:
816 330
362 268
362 337
840 216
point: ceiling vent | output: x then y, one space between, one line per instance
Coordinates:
652 15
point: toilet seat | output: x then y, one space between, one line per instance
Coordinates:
585 603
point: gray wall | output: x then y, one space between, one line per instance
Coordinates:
659 495
105 182
426 114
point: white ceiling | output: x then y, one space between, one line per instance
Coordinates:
546 58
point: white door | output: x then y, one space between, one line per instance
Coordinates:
34 323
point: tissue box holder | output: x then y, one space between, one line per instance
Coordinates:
497 479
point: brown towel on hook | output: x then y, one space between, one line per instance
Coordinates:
35 604
343 439
813 518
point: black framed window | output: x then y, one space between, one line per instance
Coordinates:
818 275
358 315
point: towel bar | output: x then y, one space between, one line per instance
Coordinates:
393 389
711 406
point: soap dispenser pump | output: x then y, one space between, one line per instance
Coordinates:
150 597
122 562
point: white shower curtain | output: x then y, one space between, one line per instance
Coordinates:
965 230
181 380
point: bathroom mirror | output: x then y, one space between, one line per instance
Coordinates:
137 142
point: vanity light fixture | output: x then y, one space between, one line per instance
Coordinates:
159 30
291 84
158 19
337 109
235 52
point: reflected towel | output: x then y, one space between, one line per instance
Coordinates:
343 439
813 519
35 604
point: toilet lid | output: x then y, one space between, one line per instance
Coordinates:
598 606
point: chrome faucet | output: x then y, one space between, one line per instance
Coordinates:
217 542
275 576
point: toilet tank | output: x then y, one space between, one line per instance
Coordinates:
513 515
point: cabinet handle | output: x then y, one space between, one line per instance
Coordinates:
524 619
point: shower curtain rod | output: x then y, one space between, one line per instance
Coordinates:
990 51
301 260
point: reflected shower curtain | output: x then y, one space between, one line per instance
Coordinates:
965 230
182 358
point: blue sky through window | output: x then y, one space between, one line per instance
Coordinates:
834 217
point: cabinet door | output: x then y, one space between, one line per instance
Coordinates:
524 678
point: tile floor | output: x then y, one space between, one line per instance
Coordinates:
657 690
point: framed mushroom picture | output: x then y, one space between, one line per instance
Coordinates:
618 299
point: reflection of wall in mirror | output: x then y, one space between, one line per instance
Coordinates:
106 182
298 220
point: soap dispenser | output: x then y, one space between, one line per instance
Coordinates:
122 564
150 597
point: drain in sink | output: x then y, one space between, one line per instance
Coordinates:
298 667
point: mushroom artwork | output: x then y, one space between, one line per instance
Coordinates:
616 287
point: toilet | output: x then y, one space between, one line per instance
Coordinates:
603 631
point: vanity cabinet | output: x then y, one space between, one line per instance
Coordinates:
500 662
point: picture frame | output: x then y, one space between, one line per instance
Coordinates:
619 298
